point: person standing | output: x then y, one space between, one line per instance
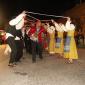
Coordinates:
70 50
11 34
36 35
28 41
51 46
59 47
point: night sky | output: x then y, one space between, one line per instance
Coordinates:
12 8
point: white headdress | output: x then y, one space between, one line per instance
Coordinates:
69 26
50 29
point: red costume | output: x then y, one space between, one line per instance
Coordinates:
36 34
40 33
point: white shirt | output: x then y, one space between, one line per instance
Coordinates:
9 35
17 38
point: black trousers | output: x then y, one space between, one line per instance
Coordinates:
36 49
28 45
19 46
12 45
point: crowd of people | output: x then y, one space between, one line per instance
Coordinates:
38 37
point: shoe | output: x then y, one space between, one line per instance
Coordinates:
11 65
69 62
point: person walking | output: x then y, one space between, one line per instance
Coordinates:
36 35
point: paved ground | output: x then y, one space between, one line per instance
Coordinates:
52 70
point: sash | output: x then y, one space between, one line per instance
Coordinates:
67 44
